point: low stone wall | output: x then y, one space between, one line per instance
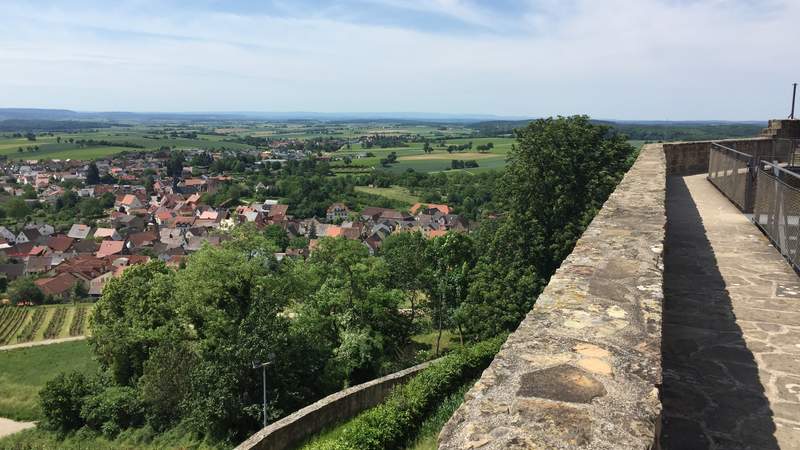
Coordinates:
689 158
583 368
332 409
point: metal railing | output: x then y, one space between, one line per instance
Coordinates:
731 171
777 209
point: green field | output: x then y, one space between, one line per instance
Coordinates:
398 193
19 324
23 372
413 157
49 148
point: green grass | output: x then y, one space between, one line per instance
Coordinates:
49 148
139 439
23 372
438 160
398 193
449 340
428 434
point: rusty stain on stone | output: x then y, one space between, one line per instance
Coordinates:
563 383
592 351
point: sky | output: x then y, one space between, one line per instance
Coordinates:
611 59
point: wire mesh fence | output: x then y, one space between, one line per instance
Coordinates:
777 209
731 172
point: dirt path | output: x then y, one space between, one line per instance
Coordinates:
44 342
8 426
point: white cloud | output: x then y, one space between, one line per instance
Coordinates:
647 59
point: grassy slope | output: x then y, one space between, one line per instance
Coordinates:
23 372
428 431
398 193
139 439
428 434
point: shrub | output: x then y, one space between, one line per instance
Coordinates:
62 399
390 424
113 410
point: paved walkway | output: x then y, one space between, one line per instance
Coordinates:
731 330
44 342
8 426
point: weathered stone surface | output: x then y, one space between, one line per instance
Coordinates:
564 383
582 369
730 328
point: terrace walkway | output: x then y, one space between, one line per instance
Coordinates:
731 328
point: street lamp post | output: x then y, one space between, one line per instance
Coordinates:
263 367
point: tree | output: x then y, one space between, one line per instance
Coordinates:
411 271
175 164
452 258
557 178
349 301
23 289
92 174
63 398
135 314
277 235
17 208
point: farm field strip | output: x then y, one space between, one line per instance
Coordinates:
30 324
77 326
56 322
10 322
29 332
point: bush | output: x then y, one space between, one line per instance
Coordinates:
390 424
113 410
63 398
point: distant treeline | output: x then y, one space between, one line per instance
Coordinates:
23 125
677 131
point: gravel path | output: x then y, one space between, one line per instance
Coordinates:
44 342
8 426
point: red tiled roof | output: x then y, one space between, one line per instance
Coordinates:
109 247
444 209
57 284
60 243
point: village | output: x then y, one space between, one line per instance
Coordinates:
166 219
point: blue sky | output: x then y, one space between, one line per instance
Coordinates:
623 59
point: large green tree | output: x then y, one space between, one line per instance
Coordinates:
558 176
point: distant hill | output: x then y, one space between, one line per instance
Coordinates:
36 125
646 130
122 116
37 114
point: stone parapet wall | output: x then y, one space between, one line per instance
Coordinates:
583 368
691 158
782 129
335 408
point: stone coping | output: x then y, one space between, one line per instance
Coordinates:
583 368
335 408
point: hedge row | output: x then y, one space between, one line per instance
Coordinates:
390 424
